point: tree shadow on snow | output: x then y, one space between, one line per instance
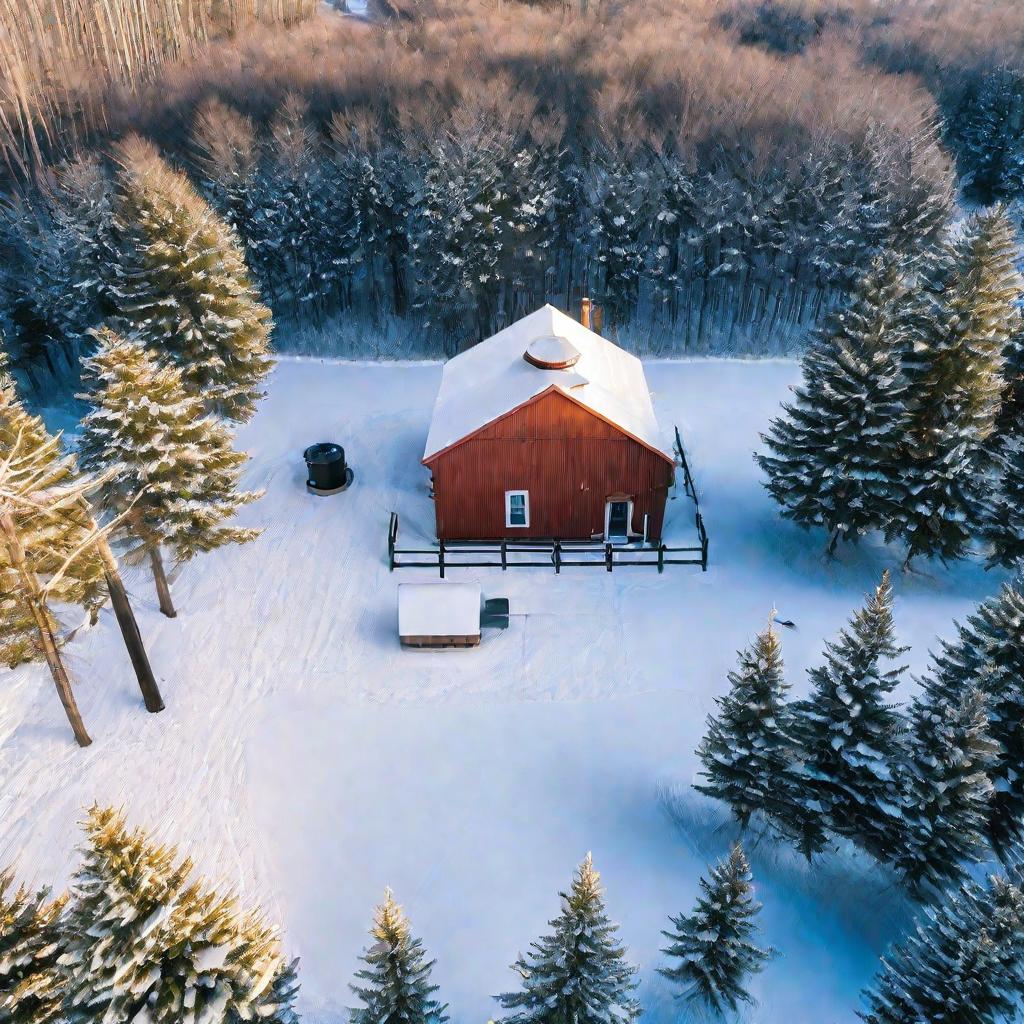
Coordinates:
861 897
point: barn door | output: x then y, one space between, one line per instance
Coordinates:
616 519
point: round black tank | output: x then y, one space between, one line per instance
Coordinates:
325 465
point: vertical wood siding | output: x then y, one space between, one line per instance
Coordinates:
570 461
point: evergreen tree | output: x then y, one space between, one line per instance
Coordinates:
309 227
836 453
1011 410
850 736
962 964
30 944
49 554
394 986
168 469
952 362
579 973
182 288
988 653
714 945
988 131
1003 510
146 943
226 154
749 753
620 205
947 788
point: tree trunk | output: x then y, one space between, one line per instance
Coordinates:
37 606
163 590
128 626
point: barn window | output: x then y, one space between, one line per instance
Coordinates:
517 508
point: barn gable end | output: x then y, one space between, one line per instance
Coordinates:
567 458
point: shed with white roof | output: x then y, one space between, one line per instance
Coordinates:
547 430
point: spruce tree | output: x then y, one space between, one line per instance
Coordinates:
182 287
835 455
168 469
1003 509
850 736
147 943
714 945
749 753
579 972
394 986
952 361
987 130
962 964
1010 422
988 653
31 940
947 788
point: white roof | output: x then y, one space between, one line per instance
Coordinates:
492 378
438 609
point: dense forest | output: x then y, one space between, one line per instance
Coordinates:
716 176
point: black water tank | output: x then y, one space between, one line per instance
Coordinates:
325 464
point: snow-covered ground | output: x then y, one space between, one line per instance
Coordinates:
307 761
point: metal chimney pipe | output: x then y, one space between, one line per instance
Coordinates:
585 313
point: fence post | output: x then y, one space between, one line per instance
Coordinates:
504 555
608 557
556 554
661 557
440 559
392 531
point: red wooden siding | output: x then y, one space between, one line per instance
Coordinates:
570 460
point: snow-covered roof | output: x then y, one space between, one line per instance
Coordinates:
438 609
492 378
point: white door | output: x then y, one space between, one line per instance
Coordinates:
616 519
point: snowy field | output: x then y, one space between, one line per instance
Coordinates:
307 761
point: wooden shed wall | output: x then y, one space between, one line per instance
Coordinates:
570 461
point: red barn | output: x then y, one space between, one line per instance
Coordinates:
547 430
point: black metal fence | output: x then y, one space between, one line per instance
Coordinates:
556 554
691 490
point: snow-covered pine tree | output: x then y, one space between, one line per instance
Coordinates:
476 203
168 469
73 581
60 251
308 229
621 207
988 653
49 550
226 153
963 963
1002 515
952 361
375 175
850 736
31 940
988 131
182 287
713 948
579 972
947 788
147 943
835 454
394 986
749 754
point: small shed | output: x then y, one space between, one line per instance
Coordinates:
547 430
439 614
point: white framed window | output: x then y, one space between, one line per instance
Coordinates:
517 509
